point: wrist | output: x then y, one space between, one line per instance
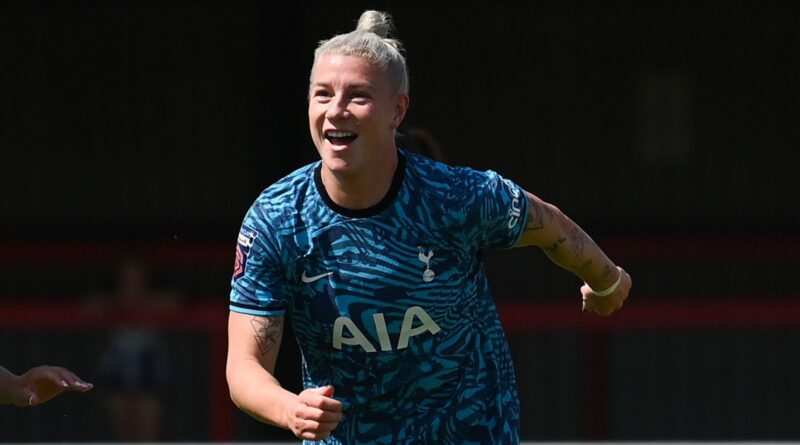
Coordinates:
609 290
8 385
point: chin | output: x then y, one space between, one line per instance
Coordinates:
336 164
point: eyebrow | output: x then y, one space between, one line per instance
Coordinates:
354 86
365 86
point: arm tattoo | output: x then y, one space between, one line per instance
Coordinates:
554 247
576 238
268 332
535 212
606 271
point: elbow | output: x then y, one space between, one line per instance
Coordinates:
230 374
232 394
235 401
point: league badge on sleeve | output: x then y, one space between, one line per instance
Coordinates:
247 237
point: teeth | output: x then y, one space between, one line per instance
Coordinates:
339 134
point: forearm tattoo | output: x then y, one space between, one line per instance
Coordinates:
576 238
554 248
268 332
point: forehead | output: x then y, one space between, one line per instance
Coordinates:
342 70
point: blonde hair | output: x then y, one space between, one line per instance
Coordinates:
371 41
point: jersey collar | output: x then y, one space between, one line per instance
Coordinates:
397 181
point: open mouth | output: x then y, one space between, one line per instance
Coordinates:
337 137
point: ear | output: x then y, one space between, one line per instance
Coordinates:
400 108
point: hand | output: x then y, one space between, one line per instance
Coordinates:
316 414
605 306
42 383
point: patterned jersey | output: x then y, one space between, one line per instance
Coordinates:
391 304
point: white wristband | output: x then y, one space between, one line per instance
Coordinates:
611 289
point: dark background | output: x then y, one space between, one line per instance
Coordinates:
670 129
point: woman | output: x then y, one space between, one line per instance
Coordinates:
375 254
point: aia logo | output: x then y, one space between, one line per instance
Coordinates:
415 322
247 237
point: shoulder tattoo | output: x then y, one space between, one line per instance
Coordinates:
535 221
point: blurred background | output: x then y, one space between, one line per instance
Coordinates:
135 135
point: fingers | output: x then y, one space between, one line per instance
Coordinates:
603 306
317 414
61 377
326 391
314 430
313 423
74 382
321 398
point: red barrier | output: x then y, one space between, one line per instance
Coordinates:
517 318
639 313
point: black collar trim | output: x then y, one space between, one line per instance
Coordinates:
387 200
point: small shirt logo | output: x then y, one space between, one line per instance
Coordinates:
306 279
247 237
428 275
515 211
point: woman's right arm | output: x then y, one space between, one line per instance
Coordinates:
253 344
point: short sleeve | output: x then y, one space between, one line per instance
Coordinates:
494 208
258 285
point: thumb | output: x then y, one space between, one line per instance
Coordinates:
586 303
29 398
326 391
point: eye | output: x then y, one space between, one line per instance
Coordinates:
360 96
320 94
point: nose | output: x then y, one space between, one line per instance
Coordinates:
337 109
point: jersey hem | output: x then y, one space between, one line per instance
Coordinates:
261 313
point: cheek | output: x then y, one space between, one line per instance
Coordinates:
375 119
316 118
314 126
313 114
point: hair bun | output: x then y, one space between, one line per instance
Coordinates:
376 22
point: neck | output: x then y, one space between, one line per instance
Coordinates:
361 190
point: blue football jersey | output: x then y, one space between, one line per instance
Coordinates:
391 305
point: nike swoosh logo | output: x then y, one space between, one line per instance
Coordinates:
307 279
